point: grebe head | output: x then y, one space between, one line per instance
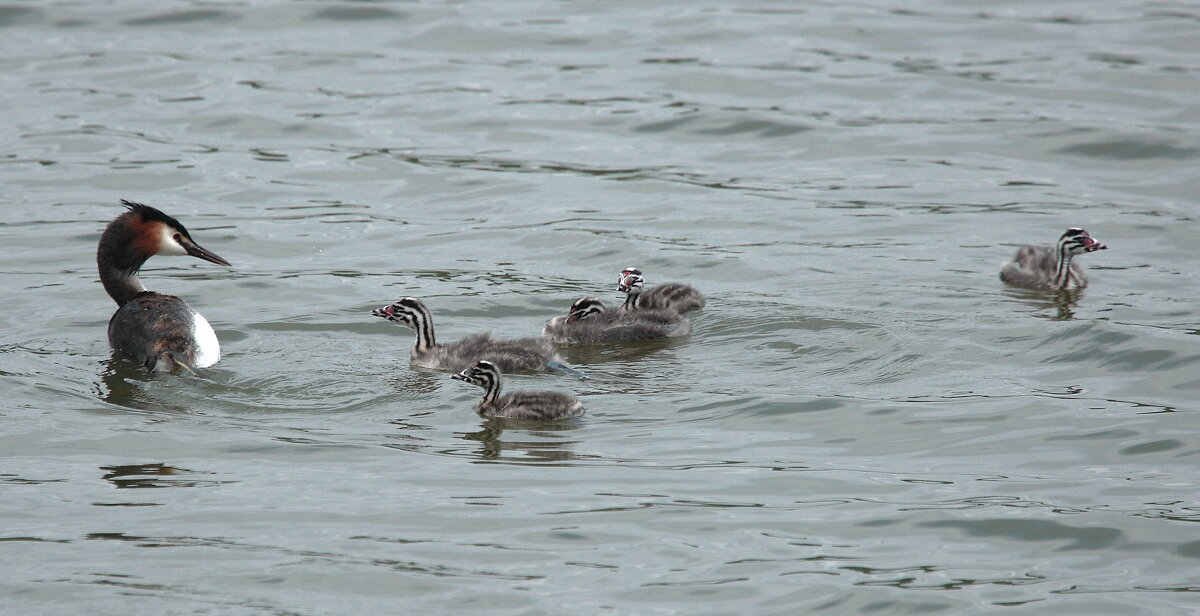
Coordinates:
1077 241
135 236
483 374
625 273
583 308
152 232
631 282
405 311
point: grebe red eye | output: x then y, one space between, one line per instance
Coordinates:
177 237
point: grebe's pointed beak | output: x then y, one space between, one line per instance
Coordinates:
1092 245
461 376
198 251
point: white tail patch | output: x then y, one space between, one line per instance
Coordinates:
208 350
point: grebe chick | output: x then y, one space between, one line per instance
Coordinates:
590 321
527 354
675 296
160 331
537 405
1043 267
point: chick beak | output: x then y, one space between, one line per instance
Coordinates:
1092 245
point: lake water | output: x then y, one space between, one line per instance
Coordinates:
865 420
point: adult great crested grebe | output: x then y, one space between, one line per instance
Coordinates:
160 331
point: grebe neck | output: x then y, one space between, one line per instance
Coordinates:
423 325
1062 272
491 390
119 265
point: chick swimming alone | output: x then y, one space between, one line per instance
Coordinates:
1045 267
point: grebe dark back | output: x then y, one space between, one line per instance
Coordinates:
160 331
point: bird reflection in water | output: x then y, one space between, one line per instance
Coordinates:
551 448
154 475
1064 301
121 384
1061 302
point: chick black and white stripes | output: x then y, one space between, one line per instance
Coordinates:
516 354
536 405
674 296
1044 267
590 321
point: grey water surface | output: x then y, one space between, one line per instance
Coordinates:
865 420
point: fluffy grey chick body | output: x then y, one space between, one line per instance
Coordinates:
535 405
673 296
511 354
590 321
1045 267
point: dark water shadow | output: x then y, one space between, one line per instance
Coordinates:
183 17
1132 148
152 475
582 355
1066 536
356 13
1060 302
550 448
122 383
